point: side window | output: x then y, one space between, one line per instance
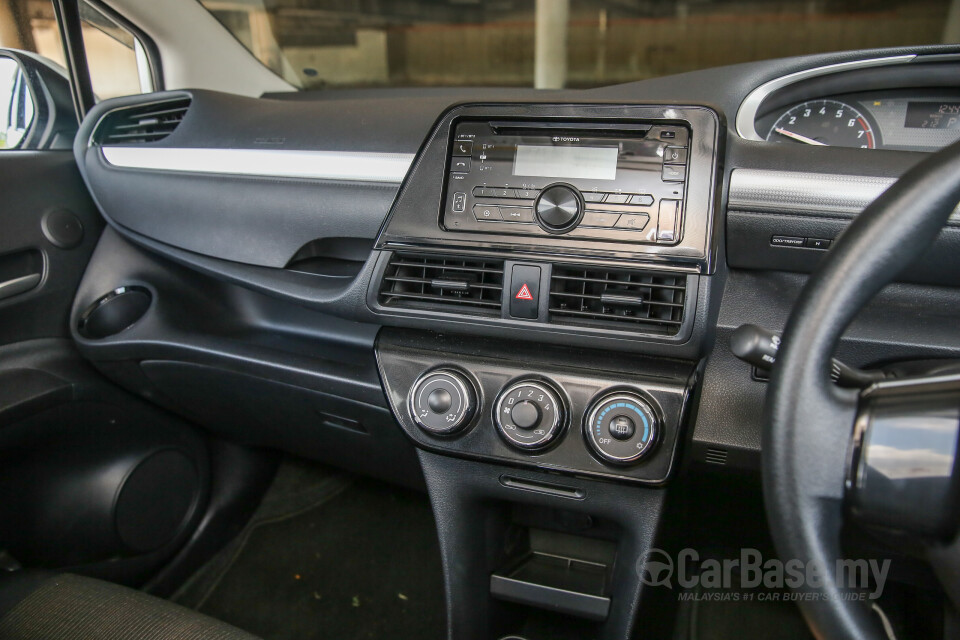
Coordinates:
31 26
116 58
16 104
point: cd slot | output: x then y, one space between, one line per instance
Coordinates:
602 129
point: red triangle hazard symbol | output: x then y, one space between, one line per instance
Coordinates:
524 293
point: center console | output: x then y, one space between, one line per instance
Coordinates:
541 276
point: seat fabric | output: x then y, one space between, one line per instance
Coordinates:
38 606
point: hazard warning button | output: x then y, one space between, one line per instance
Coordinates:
525 291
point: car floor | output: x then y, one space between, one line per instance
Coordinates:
328 555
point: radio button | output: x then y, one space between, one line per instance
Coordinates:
667 229
460 165
482 192
618 198
633 222
599 219
501 192
527 194
675 155
486 212
674 173
516 214
589 196
644 200
462 148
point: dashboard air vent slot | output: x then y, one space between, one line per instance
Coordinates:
145 123
649 301
443 282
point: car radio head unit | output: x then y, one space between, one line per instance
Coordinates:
592 180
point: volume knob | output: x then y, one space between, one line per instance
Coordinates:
559 208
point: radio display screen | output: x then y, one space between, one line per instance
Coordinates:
933 115
589 163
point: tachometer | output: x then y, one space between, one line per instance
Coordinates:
823 123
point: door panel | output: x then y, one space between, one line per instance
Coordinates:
92 479
49 226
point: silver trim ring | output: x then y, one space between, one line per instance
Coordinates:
636 399
747 113
359 166
551 432
465 393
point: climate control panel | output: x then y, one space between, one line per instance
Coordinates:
614 422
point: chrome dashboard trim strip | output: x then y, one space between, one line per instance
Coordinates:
356 166
747 114
823 194
791 191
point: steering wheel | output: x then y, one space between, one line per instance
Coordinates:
884 457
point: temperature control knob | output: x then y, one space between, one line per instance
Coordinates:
622 428
442 402
529 415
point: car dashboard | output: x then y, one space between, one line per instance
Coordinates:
510 296
627 222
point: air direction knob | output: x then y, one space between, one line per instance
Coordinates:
442 402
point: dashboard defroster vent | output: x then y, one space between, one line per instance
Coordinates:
145 123
442 282
648 301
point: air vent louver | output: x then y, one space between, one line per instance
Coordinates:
439 282
146 123
715 456
647 301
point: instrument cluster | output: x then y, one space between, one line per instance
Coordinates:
906 120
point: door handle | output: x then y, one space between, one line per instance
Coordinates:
19 285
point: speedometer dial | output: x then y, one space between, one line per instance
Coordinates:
823 123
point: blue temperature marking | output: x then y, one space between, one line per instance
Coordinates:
624 405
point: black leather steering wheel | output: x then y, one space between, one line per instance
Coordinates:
809 424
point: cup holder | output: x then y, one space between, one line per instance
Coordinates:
112 313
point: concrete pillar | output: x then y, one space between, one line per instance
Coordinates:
265 47
15 30
550 57
601 47
951 28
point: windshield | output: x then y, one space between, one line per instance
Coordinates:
558 43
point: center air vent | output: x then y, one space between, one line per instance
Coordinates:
145 123
426 281
648 301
